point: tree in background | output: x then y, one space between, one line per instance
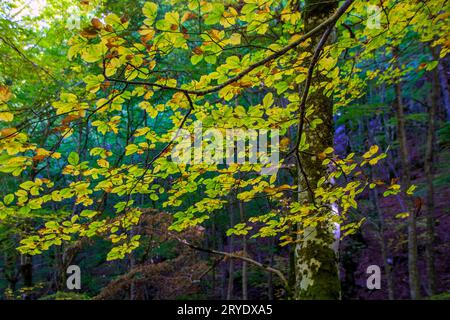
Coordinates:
102 155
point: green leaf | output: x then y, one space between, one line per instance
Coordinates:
411 189
196 59
268 100
303 145
281 86
8 198
211 59
154 197
215 15
73 158
150 10
27 185
130 149
432 65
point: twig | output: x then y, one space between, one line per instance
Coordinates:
236 256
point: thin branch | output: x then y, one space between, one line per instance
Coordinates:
327 23
237 256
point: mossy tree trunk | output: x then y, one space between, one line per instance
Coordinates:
316 255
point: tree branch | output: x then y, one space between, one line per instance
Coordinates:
327 23
237 256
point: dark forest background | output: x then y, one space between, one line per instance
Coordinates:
33 62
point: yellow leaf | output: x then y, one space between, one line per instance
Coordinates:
42 152
235 39
402 215
373 149
173 18
411 189
103 163
5 94
6 116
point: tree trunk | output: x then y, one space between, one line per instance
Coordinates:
230 261
383 245
26 270
269 274
316 259
443 81
429 158
382 224
406 182
132 263
244 252
213 271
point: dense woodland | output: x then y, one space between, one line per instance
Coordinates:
93 94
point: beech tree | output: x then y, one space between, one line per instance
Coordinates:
291 66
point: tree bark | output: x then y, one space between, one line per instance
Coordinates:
414 283
381 225
230 261
26 270
244 252
269 274
316 259
443 82
429 162
383 245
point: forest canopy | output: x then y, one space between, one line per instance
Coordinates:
241 149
